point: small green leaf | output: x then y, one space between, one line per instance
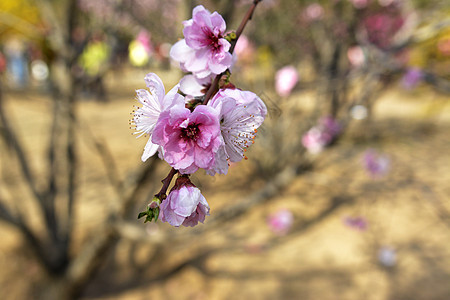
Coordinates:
142 214
156 214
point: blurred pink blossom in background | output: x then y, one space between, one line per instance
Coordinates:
285 80
357 223
244 50
377 165
314 140
321 135
359 4
281 221
381 28
313 12
144 38
356 56
411 78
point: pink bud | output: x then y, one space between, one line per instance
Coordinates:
185 205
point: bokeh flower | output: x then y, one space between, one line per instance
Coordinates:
321 135
356 56
285 80
357 223
377 165
360 4
314 11
411 78
281 221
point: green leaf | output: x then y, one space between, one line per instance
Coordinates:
156 214
142 214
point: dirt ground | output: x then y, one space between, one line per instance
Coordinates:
320 258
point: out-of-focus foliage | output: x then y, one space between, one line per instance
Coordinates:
19 17
130 16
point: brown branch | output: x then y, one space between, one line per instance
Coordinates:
106 157
161 195
247 17
10 137
6 215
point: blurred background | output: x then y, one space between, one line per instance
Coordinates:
345 194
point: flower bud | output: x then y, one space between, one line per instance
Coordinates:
185 205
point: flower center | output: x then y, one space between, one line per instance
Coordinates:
213 39
190 133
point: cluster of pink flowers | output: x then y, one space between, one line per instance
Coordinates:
321 135
192 133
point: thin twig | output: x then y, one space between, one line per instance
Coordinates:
166 182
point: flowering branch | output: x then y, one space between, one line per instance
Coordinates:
190 135
211 91
248 16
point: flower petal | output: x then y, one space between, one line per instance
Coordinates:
155 85
149 150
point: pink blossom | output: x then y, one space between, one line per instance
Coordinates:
412 78
242 44
359 4
314 140
281 221
381 28
357 223
185 205
240 113
153 103
144 38
204 50
195 87
285 80
376 165
244 50
330 125
321 135
314 11
189 139
356 56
